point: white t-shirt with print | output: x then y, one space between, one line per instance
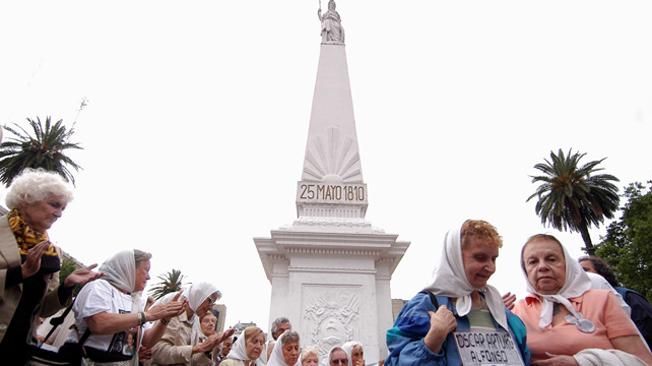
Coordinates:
97 297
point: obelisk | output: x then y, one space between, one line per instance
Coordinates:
330 270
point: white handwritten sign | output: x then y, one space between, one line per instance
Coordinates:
317 192
487 348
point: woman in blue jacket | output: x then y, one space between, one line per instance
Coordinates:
459 319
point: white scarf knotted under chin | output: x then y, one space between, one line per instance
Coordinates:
576 284
450 280
239 351
276 358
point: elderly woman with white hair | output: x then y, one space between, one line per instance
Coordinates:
182 344
110 312
29 262
309 356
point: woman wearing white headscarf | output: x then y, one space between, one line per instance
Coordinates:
337 357
180 344
286 350
355 352
110 310
438 325
247 349
567 322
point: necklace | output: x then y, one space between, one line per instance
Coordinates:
582 324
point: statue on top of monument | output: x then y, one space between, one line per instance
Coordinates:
331 25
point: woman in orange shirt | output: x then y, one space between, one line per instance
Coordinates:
566 321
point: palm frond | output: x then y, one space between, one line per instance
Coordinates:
571 196
43 148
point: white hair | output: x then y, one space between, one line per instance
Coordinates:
310 350
36 185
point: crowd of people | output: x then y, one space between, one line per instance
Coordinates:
575 312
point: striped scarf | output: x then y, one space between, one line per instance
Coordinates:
27 238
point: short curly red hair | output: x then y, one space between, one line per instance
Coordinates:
479 229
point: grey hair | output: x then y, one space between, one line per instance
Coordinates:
33 185
277 322
140 256
290 336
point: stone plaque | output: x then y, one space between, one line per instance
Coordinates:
318 192
330 315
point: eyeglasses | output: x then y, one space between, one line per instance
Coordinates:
340 361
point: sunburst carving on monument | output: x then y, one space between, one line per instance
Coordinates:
332 157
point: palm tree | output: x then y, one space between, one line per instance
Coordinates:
170 282
572 197
43 149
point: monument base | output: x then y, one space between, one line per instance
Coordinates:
334 287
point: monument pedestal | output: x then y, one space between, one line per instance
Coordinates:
334 287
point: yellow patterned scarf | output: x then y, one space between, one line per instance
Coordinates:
27 238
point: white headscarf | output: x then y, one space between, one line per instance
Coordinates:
348 348
276 358
333 349
239 350
120 271
576 283
196 294
199 292
450 280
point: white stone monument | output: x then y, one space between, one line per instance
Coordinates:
330 269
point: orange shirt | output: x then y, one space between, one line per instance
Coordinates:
600 306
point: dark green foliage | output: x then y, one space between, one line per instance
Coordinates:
169 282
573 197
628 243
43 149
67 267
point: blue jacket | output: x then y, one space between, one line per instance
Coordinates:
405 339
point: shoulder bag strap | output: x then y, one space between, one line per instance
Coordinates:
57 321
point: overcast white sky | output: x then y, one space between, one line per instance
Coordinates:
198 116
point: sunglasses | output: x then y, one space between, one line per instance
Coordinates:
340 361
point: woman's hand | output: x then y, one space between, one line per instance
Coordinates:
509 299
442 322
556 360
208 345
144 353
226 334
82 276
33 262
166 311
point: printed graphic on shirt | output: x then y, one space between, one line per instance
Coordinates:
124 342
